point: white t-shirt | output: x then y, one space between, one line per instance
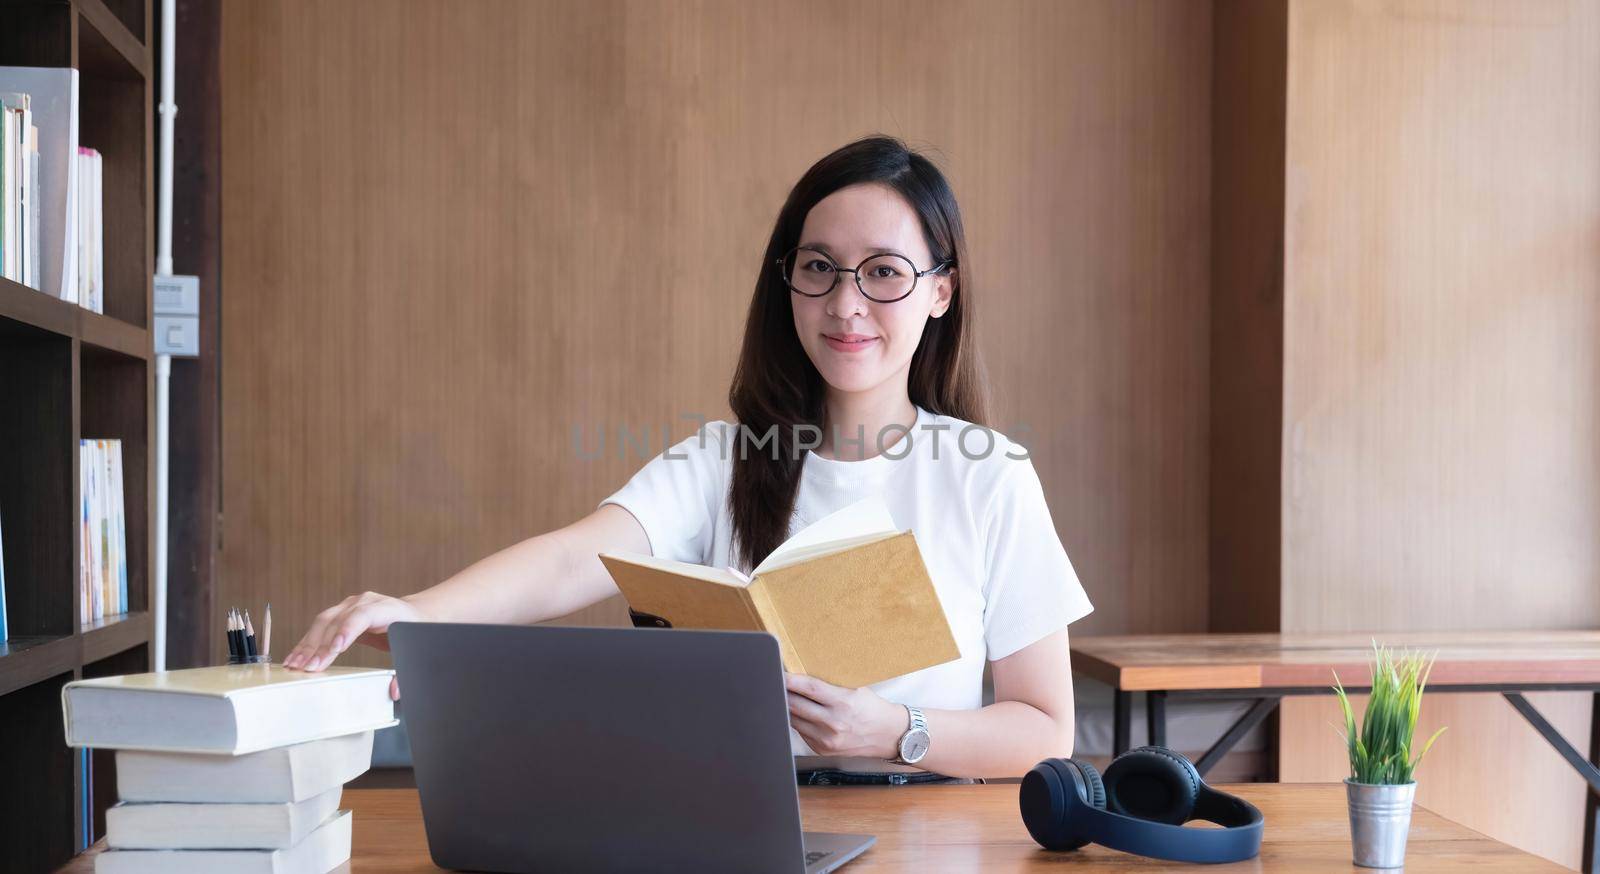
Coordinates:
978 513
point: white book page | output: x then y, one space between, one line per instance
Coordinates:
799 556
866 518
722 576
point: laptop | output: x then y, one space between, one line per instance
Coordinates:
604 749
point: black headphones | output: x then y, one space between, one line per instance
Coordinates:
1139 807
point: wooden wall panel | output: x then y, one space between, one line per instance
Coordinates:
453 233
1442 377
1247 158
194 417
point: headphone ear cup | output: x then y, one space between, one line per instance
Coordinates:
1092 779
1152 783
1047 809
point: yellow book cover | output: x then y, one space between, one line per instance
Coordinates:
848 598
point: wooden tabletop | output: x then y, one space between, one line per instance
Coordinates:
977 828
1147 662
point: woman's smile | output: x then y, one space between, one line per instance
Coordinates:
851 342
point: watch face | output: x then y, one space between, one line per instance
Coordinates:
914 745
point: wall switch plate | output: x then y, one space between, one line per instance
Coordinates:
178 336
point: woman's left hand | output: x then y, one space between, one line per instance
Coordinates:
835 721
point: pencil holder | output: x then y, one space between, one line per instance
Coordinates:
250 660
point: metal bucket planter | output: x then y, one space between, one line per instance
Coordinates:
1380 819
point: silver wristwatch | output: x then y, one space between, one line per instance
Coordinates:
914 743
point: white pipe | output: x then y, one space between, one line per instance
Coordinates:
168 109
159 607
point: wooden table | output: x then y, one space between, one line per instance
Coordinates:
977 828
1266 667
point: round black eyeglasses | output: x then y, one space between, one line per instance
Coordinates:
882 278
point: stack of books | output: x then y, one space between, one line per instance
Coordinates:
236 768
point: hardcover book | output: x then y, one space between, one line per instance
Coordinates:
848 598
227 709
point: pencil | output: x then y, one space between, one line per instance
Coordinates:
233 654
266 633
249 636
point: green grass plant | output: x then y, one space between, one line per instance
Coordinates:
1380 751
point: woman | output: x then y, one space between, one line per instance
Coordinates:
858 376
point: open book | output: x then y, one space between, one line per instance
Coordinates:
848 598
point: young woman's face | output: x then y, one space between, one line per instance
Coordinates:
856 343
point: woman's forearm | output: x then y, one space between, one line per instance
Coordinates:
1031 720
541 578
516 585
1004 739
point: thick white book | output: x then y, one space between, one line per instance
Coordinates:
279 775
172 825
53 92
227 709
325 849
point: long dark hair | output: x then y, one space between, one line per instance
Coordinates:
775 383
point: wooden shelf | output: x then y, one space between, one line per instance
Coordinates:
28 660
113 335
69 373
113 634
108 49
36 309
31 659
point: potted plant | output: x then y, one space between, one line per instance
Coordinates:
1380 788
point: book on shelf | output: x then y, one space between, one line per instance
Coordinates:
89 606
103 579
30 276
848 598
280 775
4 631
52 98
19 187
226 709
99 528
91 240
86 793
323 850
171 825
119 521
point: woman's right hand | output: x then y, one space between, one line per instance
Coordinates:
363 618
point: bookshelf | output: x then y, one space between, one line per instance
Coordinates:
67 373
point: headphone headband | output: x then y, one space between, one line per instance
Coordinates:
1239 838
